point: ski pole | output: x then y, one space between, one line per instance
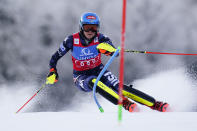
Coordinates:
44 85
161 53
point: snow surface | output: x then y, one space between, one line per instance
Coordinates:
172 86
85 121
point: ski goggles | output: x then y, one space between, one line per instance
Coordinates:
93 28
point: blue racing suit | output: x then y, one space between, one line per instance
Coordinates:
86 60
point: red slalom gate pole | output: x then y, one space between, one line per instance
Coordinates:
164 53
121 76
44 85
159 53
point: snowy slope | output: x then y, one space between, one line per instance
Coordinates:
80 121
172 86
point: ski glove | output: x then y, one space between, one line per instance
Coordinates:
52 76
106 49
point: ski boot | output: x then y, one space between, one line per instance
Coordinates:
128 105
160 106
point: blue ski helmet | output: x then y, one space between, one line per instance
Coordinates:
89 19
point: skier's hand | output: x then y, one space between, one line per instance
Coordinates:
106 49
52 77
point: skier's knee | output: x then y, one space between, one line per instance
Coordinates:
88 82
82 82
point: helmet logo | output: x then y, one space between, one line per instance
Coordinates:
91 17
